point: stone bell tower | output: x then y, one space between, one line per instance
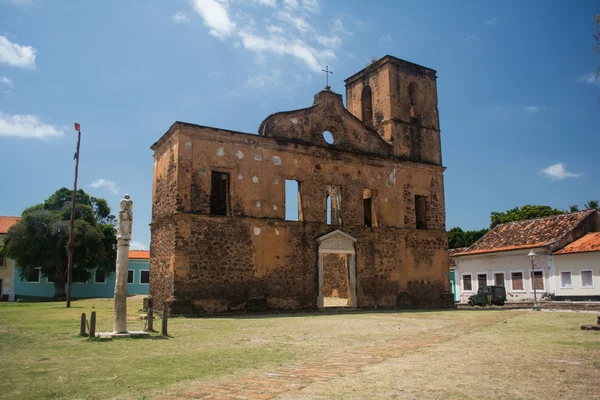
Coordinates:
399 100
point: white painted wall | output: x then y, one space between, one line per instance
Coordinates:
505 262
575 263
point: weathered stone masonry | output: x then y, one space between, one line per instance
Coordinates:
220 241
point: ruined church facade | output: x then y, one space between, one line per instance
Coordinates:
366 184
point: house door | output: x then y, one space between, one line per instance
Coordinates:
337 246
453 284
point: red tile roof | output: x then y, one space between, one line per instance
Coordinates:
7 222
588 243
139 254
452 253
527 234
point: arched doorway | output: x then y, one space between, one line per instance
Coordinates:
341 244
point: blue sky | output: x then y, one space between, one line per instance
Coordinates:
516 88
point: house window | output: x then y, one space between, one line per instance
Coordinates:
144 277
33 275
499 279
2 262
100 276
566 279
130 274
293 201
587 278
538 280
421 211
467 284
481 280
369 203
219 191
366 100
517 280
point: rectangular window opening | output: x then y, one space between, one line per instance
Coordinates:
587 279
219 193
293 201
538 280
467 284
130 276
144 277
499 279
100 276
517 280
566 280
369 206
334 205
33 275
421 211
2 262
481 280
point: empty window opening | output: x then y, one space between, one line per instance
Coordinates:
369 207
219 193
367 105
499 279
517 280
293 201
144 277
587 279
328 137
100 276
421 211
336 285
413 88
33 275
481 280
565 279
334 205
538 280
130 275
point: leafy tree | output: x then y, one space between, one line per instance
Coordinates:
574 208
459 238
522 213
39 239
592 205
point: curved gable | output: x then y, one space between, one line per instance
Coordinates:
327 114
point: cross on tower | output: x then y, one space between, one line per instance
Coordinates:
327 72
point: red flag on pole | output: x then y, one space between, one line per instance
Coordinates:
77 127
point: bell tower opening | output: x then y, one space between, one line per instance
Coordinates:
366 101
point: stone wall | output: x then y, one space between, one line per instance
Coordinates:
335 276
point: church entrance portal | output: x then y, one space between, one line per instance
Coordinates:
337 270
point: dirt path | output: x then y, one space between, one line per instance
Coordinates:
269 384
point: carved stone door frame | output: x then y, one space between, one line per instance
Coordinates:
338 242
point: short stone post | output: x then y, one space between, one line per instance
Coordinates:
150 316
93 324
82 325
123 239
163 328
598 320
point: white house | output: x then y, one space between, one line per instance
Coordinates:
577 268
500 257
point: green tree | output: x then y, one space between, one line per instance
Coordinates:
459 238
574 208
522 213
39 239
592 205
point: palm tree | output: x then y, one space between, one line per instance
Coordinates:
574 208
592 205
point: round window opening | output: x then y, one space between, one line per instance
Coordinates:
328 137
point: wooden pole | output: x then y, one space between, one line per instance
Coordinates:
93 324
163 328
82 326
72 225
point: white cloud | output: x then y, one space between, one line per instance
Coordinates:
311 5
298 22
22 2
275 29
533 109
332 41
135 245
261 80
105 183
589 78
557 172
472 37
16 55
180 18
491 21
268 3
338 26
27 127
215 17
386 40
6 81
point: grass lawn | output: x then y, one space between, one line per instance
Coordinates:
481 354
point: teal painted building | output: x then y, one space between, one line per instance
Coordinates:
99 284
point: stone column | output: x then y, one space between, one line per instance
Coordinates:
320 298
123 239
